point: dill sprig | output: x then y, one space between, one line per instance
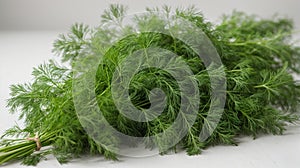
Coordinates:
259 59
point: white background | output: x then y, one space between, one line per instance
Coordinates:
28 28
60 14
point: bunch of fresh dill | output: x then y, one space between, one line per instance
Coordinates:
261 95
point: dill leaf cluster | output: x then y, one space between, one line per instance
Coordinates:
259 61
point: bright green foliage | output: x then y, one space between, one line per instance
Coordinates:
259 60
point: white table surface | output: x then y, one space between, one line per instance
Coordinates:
21 51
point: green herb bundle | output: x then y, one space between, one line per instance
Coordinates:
261 95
